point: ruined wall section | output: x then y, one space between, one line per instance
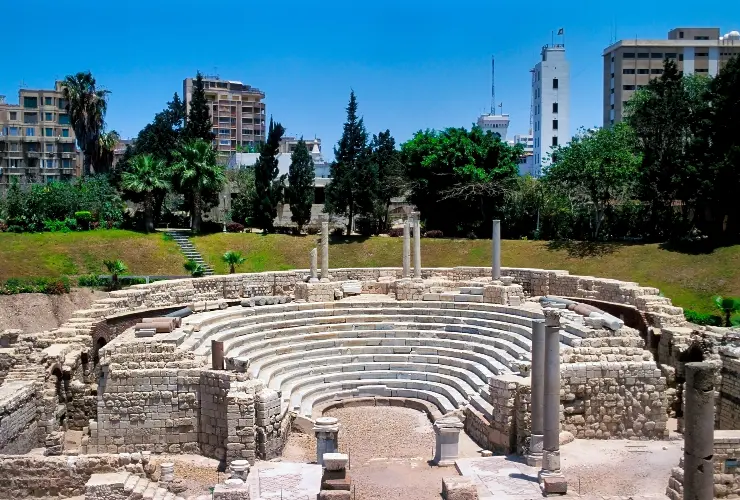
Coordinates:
19 429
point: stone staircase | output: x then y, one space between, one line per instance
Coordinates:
183 241
125 485
464 294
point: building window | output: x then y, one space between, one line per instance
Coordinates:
64 119
49 132
66 163
701 38
670 55
63 103
628 55
702 70
13 131
643 55
67 147
14 163
49 164
554 83
14 147
48 101
65 132
628 71
48 117
612 58
30 102
224 142
680 34
30 118
612 106
554 140
49 148
611 91
680 57
657 55
702 54
554 107
13 115
554 124
643 71
656 71
30 132
628 87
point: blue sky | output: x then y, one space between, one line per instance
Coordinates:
413 64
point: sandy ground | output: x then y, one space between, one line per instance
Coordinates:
37 312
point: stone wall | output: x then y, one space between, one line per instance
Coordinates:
728 405
213 423
271 431
19 431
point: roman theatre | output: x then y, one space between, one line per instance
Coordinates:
231 369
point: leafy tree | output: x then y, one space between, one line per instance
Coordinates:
196 270
199 124
115 268
353 177
387 163
233 259
728 306
598 168
301 185
268 186
14 200
458 178
198 176
242 205
147 176
86 105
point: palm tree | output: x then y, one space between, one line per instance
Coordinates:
86 105
106 149
197 175
729 306
196 270
233 259
115 267
146 176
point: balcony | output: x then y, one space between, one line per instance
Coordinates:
30 138
68 155
33 154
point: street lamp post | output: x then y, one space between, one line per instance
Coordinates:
224 215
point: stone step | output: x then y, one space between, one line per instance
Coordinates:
471 290
150 491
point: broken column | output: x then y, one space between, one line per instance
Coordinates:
326 430
496 251
217 354
551 479
698 434
239 469
447 433
335 480
314 265
167 472
406 249
324 251
417 244
537 377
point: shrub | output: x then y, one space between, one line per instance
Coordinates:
57 286
395 232
234 227
366 226
15 229
53 286
196 270
434 233
3 227
337 231
91 280
83 219
471 235
702 318
312 230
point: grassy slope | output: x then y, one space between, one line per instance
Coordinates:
690 280
54 254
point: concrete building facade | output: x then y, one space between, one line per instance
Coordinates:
37 142
629 65
551 104
237 112
498 124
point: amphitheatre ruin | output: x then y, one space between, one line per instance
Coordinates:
258 380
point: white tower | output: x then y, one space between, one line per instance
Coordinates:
551 98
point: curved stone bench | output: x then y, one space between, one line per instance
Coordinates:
440 404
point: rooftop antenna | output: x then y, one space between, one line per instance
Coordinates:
493 86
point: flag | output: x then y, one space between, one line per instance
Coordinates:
561 31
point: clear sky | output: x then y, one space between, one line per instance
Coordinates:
413 64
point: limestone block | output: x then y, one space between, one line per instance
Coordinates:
335 461
459 488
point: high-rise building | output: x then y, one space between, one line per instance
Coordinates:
237 113
551 104
37 142
630 64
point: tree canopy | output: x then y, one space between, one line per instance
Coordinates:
301 185
267 182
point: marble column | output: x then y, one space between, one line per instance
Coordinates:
325 251
698 466
496 251
447 433
417 245
537 388
406 249
326 430
314 265
551 479
167 472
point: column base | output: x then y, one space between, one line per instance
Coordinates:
553 483
445 463
313 280
534 459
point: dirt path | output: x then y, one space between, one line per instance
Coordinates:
37 312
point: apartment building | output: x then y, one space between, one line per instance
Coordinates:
550 105
37 142
630 64
237 113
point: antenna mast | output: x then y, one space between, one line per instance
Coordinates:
493 87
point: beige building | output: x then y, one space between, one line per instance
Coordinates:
237 113
630 64
37 142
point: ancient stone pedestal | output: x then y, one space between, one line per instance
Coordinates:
459 488
417 245
698 465
217 354
447 433
537 374
167 472
314 265
335 476
551 479
239 469
326 430
406 249
232 489
496 251
325 251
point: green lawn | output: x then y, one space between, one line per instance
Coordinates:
55 254
690 280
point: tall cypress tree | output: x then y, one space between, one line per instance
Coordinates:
199 125
268 187
353 176
301 185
